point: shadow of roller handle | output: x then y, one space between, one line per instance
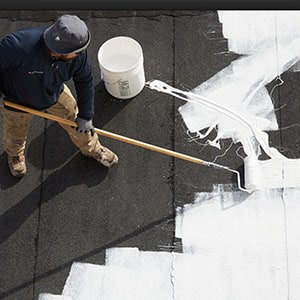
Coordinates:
125 140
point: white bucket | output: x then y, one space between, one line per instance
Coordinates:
121 64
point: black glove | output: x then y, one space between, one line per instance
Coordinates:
85 126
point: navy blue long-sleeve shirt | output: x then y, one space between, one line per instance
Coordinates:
30 77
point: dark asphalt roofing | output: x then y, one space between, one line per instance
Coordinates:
69 208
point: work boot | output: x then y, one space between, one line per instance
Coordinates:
106 157
17 165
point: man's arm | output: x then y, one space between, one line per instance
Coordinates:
11 54
84 84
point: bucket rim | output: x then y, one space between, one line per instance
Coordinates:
121 37
140 60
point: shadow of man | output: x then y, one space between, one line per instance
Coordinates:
70 167
67 176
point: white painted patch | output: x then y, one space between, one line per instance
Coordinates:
235 248
129 274
249 32
142 275
292 210
133 274
85 281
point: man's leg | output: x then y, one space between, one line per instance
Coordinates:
89 145
15 131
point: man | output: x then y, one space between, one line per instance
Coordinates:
35 63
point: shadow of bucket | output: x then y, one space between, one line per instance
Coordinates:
121 63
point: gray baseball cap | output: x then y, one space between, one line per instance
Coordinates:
67 35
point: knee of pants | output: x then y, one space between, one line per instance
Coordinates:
72 115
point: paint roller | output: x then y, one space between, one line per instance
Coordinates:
275 173
252 177
135 143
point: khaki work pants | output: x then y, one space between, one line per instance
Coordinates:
16 127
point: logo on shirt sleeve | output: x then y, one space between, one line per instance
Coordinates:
35 72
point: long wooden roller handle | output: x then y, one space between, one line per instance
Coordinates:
109 134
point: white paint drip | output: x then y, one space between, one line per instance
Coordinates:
230 123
